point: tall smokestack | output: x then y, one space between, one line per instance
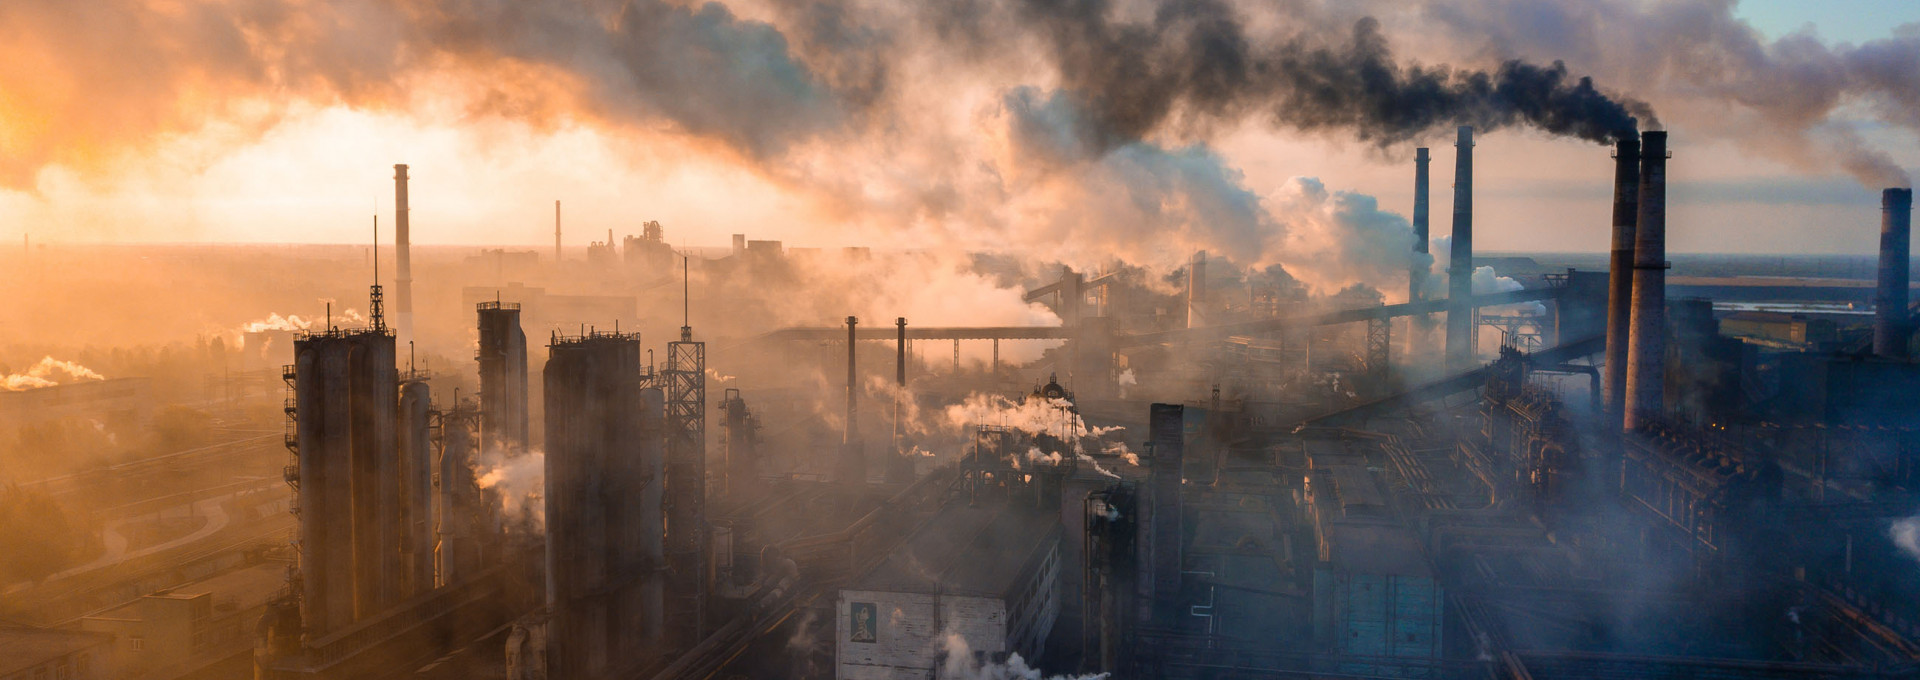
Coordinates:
1196 288
853 459
1417 276
1460 266
1647 348
556 232
1626 214
899 466
403 259
1890 300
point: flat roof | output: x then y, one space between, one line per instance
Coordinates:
1371 548
22 648
1356 490
979 550
246 587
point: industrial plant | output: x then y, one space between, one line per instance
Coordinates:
1140 422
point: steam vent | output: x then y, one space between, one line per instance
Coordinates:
1146 340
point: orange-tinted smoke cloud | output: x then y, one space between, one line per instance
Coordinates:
88 84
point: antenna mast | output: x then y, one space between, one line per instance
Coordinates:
376 309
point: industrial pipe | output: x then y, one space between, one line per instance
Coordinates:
1890 299
1647 350
1626 201
1460 265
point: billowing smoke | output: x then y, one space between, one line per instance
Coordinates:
960 663
1049 417
1794 98
1196 61
519 484
81 81
46 373
1905 533
275 322
1148 204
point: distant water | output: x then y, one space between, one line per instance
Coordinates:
1805 266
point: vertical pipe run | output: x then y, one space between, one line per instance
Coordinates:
899 466
853 463
1417 276
1460 352
1890 299
1626 215
1646 352
853 407
416 489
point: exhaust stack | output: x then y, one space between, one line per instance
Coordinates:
1626 202
1417 274
1460 353
853 461
1647 348
402 255
1196 289
1890 299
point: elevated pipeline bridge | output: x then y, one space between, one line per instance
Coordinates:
1200 334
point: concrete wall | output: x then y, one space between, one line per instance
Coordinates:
909 632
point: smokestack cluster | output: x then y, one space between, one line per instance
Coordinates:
1460 260
1646 350
1626 215
1890 329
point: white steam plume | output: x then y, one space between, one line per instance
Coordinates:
960 664
1905 533
47 373
520 484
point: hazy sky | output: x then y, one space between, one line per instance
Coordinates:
277 131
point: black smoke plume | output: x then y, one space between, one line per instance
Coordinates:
1194 64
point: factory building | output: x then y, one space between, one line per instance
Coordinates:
605 469
503 376
981 580
1231 477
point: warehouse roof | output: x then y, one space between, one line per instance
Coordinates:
22 648
979 550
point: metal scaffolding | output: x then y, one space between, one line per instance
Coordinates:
1379 342
686 383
